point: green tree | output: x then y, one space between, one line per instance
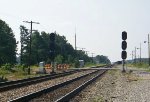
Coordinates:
7 44
103 59
64 49
64 52
59 59
39 48
24 40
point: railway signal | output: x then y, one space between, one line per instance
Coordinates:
52 50
124 47
52 46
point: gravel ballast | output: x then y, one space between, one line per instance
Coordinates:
58 93
17 92
116 86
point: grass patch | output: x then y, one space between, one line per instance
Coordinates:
139 65
130 76
98 99
2 75
112 72
16 72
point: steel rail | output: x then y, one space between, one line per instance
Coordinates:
73 93
33 95
20 83
34 78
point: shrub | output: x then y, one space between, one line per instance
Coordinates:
7 66
77 64
140 65
21 67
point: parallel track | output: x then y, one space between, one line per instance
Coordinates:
11 94
73 93
4 86
67 96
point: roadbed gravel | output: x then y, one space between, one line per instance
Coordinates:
115 86
58 93
17 92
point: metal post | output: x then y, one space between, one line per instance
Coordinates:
135 55
123 65
148 51
140 53
30 50
53 64
92 58
53 67
132 56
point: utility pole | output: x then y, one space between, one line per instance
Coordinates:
75 40
31 22
92 57
140 53
148 51
135 56
132 56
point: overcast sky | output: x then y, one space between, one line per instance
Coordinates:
98 23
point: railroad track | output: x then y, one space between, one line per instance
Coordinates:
63 91
12 94
4 86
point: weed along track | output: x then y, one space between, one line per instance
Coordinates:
15 93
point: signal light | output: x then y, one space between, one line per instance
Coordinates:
124 55
124 35
124 45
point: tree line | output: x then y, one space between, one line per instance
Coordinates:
64 51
